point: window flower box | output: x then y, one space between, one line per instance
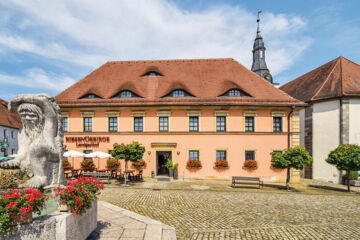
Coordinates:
221 164
250 164
193 164
139 164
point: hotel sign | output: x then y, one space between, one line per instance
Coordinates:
87 141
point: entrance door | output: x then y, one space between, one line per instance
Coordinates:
161 159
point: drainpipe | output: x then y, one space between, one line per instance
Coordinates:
288 118
341 140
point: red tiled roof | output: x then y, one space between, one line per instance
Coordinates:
337 78
206 79
8 119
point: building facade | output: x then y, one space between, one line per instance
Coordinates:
206 110
332 92
10 124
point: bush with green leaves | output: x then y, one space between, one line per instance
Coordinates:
295 157
345 157
128 152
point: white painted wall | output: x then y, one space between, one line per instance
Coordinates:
302 127
354 121
13 139
325 138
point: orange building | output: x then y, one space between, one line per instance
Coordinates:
205 109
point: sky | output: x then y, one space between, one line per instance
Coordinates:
46 46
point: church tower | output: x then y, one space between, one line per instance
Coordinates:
259 65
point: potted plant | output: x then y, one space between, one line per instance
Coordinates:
17 206
88 165
175 170
139 164
112 164
169 165
250 164
193 164
223 163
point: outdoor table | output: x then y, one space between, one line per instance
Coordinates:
76 172
129 173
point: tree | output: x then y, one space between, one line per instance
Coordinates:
345 157
129 152
295 157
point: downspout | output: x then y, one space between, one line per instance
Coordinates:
288 125
341 140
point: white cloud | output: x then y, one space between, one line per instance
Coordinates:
39 79
90 32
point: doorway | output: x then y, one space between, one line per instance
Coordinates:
161 159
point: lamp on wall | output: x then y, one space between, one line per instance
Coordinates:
178 152
149 152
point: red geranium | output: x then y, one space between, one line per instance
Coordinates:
193 163
223 163
250 164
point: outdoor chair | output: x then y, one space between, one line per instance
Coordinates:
139 177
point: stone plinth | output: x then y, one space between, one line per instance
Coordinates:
60 226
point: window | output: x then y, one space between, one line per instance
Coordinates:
12 151
235 92
113 124
277 121
163 124
125 94
65 124
87 124
152 73
138 124
91 95
4 132
193 124
194 155
249 124
220 155
220 124
178 93
249 155
12 134
87 151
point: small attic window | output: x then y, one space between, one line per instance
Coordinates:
126 94
179 93
235 93
152 73
90 96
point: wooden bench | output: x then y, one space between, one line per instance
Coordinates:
247 181
98 175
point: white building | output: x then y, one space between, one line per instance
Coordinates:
9 128
332 117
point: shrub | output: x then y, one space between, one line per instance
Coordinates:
66 163
250 164
193 163
88 164
169 164
175 167
221 163
17 204
112 163
139 164
354 175
79 193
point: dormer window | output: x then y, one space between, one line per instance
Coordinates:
152 73
235 93
179 93
90 96
126 94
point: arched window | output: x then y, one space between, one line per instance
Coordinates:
152 73
235 93
178 93
125 94
89 96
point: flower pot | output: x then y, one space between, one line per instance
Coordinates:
20 219
175 174
171 173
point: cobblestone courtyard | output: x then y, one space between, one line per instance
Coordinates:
203 212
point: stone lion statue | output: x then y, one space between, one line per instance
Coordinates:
40 141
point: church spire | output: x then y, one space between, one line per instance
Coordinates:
259 65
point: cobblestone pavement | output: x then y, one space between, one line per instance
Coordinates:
207 214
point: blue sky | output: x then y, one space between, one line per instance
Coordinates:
45 46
